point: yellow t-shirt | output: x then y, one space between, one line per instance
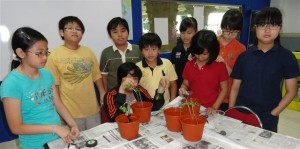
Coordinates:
150 79
75 72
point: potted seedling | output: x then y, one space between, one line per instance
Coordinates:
128 123
141 108
192 123
190 105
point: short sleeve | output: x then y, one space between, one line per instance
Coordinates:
104 62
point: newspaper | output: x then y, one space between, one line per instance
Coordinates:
225 134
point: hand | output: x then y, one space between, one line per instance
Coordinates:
63 132
164 83
209 110
181 91
220 59
190 57
128 84
74 133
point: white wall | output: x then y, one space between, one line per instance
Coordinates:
43 15
291 14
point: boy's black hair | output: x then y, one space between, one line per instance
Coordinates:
24 38
128 68
269 15
114 22
150 39
70 19
188 22
232 20
205 40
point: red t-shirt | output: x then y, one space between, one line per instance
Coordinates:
205 82
230 53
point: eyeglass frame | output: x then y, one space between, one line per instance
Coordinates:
70 29
267 26
40 54
232 32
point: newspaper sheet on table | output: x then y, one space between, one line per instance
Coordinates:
235 135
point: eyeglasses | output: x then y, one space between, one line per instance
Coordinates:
70 29
267 26
41 54
228 32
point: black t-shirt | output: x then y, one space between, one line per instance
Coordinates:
179 57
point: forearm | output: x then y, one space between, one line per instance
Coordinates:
219 99
291 90
284 102
104 80
100 85
229 69
28 129
113 104
65 114
234 92
173 90
158 100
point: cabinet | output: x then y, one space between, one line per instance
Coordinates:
295 104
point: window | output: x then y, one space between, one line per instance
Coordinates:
175 11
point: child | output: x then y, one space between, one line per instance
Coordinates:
259 72
204 76
122 51
75 69
154 68
123 95
181 53
230 47
30 101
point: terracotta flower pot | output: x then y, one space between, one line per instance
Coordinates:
128 130
172 116
143 110
191 106
192 127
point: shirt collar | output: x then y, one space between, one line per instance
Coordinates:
129 47
144 63
274 48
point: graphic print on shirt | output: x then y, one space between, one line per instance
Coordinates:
178 54
40 95
78 70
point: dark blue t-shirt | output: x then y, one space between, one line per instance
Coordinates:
262 75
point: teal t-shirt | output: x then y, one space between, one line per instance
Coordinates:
37 108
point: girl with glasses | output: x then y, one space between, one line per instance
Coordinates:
31 105
230 47
260 71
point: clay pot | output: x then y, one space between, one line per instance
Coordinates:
192 127
128 130
143 110
172 116
192 109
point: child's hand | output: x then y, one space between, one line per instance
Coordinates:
181 91
74 133
190 57
220 59
209 110
128 84
164 83
63 132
